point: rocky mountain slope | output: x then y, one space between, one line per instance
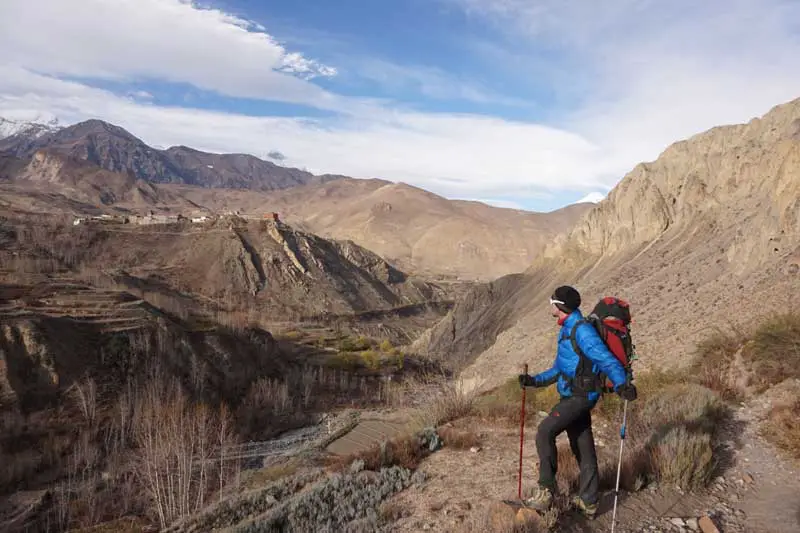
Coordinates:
707 236
115 149
418 230
49 182
266 267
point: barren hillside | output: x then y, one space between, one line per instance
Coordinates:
418 230
52 183
705 237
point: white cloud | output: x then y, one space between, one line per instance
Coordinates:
592 197
431 82
453 155
172 40
657 72
141 95
649 73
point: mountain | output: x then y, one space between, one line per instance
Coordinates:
22 129
413 228
705 237
115 149
265 265
51 182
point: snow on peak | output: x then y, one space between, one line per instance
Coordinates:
35 128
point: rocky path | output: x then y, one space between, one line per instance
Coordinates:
758 491
768 491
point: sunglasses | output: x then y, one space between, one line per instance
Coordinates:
553 302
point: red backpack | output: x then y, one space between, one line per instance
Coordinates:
611 317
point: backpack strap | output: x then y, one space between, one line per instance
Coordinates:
585 380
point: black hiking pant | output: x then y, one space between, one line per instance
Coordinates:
573 414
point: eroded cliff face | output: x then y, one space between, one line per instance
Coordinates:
712 223
730 175
41 356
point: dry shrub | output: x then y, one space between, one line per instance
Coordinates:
501 518
504 402
648 384
459 439
675 433
683 457
391 511
774 352
371 359
357 344
782 428
714 358
386 346
769 356
440 399
406 450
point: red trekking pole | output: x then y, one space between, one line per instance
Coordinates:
521 437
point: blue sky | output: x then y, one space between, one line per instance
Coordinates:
526 103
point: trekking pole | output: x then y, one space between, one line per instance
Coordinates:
619 463
521 437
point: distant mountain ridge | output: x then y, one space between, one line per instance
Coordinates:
27 129
115 149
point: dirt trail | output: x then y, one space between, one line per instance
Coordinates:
772 501
758 492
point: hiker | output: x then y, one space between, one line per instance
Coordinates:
579 392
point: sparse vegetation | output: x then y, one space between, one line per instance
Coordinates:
371 359
406 450
459 439
504 402
773 355
440 399
357 344
737 364
782 428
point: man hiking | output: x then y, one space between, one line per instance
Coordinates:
578 387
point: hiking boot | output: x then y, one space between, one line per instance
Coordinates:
589 510
540 501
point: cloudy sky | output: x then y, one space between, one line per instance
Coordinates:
531 103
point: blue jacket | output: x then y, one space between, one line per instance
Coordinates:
567 360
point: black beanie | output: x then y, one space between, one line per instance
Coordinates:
570 296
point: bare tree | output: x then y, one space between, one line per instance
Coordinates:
180 449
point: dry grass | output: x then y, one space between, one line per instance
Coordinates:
733 362
439 399
774 352
262 477
406 450
500 518
459 439
674 436
782 428
503 403
392 511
